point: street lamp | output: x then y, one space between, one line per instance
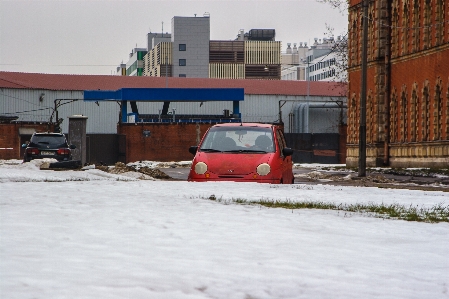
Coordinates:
306 127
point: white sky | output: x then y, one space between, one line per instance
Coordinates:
94 37
89 234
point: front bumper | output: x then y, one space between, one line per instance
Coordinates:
251 178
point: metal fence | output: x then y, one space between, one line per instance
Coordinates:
314 148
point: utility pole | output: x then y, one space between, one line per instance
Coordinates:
362 129
308 96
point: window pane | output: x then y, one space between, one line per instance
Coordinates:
182 47
182 62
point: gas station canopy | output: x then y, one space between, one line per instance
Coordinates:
166 95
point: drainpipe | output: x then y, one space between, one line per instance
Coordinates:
387 85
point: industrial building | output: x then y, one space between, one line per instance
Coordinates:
303 108
323 61
188 52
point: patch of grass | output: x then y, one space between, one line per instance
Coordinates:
437 213
417 172
339 168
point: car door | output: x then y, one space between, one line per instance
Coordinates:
286 166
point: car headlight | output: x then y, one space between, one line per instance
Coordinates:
200 168
263 169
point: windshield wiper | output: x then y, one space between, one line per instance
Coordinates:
245 151
210 150
252 151
44 142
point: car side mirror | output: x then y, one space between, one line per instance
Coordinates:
24 145
193 149
72 146
287 151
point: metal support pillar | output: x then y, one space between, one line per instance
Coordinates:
124 111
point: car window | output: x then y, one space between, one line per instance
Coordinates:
245 139
47 140
281 140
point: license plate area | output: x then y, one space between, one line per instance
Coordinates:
47 153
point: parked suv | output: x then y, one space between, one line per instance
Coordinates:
246 152
48 145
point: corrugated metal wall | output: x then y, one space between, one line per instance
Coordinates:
104 116
26 104
227 70
262 52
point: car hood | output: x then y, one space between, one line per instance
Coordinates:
233 163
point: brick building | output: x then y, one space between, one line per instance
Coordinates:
407 103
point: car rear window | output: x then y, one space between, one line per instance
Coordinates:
239 139
51 140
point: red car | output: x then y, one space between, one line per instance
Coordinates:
243 152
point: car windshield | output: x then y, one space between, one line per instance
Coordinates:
48 141
238 139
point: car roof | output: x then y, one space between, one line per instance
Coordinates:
49 133
258 125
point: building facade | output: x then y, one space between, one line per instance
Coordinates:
323 61
134 66
188 52
190 46
407 103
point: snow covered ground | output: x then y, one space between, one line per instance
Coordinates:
91 234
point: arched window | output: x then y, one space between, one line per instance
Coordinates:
354 121
427 29
437 107
371 38
354 44
369 118
425 112
395 31
414 113
403 114
439 19
446 114
405 28
416 26
393 117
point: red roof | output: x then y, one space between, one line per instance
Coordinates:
110 82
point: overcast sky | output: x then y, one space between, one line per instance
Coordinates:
94 37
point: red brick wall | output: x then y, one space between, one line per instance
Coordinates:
342 130
412 70
10 144
167 141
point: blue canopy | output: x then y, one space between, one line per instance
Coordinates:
167 95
